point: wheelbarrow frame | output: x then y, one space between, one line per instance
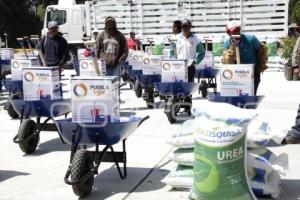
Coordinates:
176 95
15 91
107 154
29 131
146 82
207 79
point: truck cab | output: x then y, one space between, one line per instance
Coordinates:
70 19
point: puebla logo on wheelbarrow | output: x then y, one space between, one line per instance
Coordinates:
135 57
15 64
29 77
84 65
166 66
80 90
227 74
146 61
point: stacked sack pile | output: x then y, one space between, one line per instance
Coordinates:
264 169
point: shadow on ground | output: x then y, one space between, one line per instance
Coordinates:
6 174
50 146
108 183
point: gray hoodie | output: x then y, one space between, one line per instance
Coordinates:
111 47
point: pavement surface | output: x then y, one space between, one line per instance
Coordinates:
40 176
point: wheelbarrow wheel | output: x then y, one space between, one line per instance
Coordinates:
203 88
82 163
170 110
138 89
27 129
149 97
10 109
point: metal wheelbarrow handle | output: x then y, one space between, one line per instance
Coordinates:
144 119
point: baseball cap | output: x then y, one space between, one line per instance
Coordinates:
52 24
293 25
232 25
186 22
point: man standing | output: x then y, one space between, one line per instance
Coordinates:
111 45
190 48
176 29
249 46
54 46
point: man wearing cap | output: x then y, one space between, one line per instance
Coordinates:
190 48
54 46
294 30
111 45
248 45
132 42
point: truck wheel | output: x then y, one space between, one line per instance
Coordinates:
138 89
27 129
10 109
82 163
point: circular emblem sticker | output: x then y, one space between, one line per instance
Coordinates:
146 61
80 90
135 57
84 65
15 64
227 74
29 76
166 66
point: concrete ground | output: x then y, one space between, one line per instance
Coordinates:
40 176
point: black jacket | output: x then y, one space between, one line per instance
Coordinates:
55 50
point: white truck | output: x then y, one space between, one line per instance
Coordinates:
153 18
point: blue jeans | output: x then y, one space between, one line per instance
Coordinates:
114 71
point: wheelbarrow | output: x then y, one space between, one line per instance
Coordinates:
208 80
15 91
4 70
177 95
84 164
29 131
249 102
146 82
133 79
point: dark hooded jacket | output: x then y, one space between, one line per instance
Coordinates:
111 47
55 50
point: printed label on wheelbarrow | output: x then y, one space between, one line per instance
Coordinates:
6 53
16 68
87 67
207 62
94 98
174 70
41 83
237 80
152 64
135 58
219 166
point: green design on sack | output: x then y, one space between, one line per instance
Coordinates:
209 171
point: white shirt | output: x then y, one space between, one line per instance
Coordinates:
186 48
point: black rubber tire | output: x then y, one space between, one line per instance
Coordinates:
26 129
10 109
82 163
150 103
169 111
149 97
203 88
138 89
